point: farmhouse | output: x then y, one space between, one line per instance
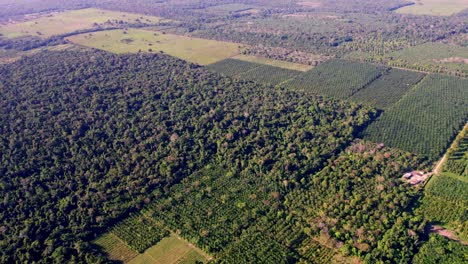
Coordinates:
415 177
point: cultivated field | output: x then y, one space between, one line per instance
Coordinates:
275 63
70 21
388 89
337 78
252 71
445 202
426 119
434 54
170 250
457 161
115 248
196 50
434 7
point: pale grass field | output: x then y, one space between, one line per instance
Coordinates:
196 50
435 7
67 22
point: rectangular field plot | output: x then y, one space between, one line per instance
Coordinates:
139 232
275 63
232 67
196 50
115 248
457 161
253 71
268 74
338 78
445 202
426 119
70 21
388 89
171 250
432 57
434 7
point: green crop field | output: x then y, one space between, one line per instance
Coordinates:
139 232
432 57
445 202
170 250
70 21
196 50
252 71
457 161
427 119
232 67
434 7
268 74
388 89
275 63
115 248
338 78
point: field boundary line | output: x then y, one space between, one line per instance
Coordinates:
123 242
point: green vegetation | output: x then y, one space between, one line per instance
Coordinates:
228 8
115 248
427 119
170 249
445 202
388 89
312 252
261 73
90 151
232 67
338 78
358 203
139 232
434 7
432 57
70 21
457 161
255 248
439 250
268 74
113 149
201 51
275 63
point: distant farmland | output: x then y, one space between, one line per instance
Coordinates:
426 119
434 7
66 22
196 50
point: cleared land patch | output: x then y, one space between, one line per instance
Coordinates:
434 7
337 78
196 50
275 63
70 21
426 119
388 89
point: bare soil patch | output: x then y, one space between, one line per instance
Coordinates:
311 4
454 60
446 233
